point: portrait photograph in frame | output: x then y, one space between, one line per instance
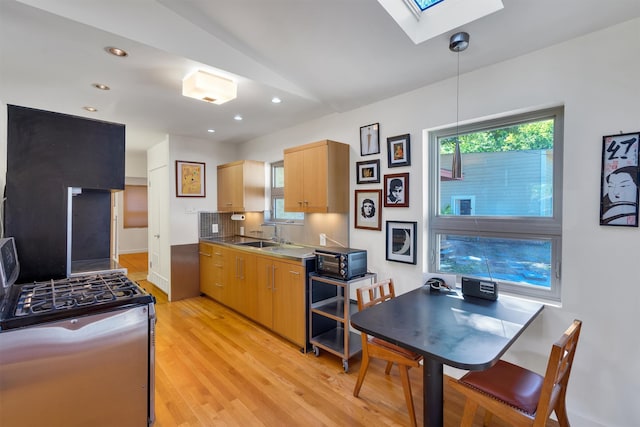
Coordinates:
619 180
368 214
370 139
396 190
368 172
399 151
402 241
190 179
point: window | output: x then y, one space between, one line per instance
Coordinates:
502 220
277 196
134 206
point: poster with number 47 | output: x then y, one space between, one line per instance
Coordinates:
619 180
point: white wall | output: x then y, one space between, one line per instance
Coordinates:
183 210
596 78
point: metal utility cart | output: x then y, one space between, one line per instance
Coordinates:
331 309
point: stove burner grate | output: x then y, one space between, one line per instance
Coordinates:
80 291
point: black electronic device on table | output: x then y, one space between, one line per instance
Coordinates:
477 288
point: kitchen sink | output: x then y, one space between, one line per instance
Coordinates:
259 244
284 247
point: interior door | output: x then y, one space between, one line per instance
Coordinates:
159 261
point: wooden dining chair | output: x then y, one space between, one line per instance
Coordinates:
517 395
377 348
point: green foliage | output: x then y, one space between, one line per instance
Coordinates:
526 136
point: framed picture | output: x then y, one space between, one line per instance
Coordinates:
619 180
190 179
399 150
368 172
402 241
396 190
367 209
370 139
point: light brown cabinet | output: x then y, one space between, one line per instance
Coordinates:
281 296
241 279
316 178
212 271
268 290
241 186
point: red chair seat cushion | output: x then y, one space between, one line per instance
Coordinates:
509 383
403 351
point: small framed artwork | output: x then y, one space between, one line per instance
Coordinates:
367 209
190 179
370 139
402 241
368 172
619 180
399 150
396 190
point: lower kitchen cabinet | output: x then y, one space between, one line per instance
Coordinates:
281 298
269 290
240 282
212 270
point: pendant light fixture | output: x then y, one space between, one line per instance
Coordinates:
457 43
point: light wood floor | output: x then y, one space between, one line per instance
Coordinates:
217 368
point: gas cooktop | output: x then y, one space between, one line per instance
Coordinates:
38 302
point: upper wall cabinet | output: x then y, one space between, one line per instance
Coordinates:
241 186
316 178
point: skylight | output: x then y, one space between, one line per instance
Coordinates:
422 22
426 4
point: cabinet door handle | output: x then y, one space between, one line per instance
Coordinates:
294 272
273 277
204 254
266 269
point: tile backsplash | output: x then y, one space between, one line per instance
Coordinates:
335 226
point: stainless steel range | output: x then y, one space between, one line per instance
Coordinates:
75 352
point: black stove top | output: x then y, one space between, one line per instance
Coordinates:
38 302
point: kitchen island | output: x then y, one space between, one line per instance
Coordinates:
262 280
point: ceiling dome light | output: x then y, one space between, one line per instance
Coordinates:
209 87
276 100
116 51
101 86
90 109
237 117
211 130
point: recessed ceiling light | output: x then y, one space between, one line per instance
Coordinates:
237 117
116 51
211 130
101 86
276 100
90 109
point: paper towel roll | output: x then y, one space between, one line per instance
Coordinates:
237 217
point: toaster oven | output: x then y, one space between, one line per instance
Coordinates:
341 263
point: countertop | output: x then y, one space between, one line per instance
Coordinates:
292 251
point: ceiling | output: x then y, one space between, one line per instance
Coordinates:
320 57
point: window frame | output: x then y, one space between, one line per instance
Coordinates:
508 227
278 193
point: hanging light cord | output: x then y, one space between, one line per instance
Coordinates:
458 99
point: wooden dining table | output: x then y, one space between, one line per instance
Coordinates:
446 328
